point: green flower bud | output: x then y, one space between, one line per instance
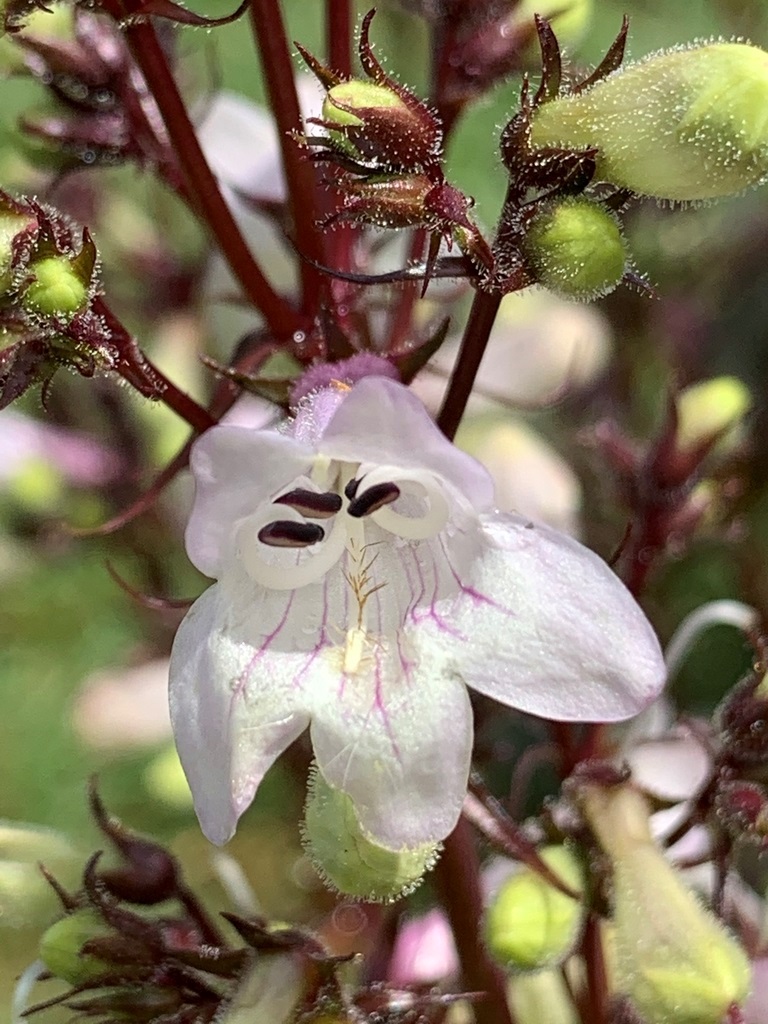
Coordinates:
682 125
532 925
349 859
671 956
358 95
58 288
576 248
60 947
380 124
711 409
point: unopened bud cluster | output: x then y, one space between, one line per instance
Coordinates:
50 312
385 147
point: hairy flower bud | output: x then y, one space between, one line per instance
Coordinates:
576 248
712 410
378 125
530 924
57 288
685 124
673 958
350 860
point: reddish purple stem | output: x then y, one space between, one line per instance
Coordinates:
458 877
269 31
201 183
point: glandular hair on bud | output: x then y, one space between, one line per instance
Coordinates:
671 957
530 925
575 248
56 288
684 124
350 860
60 947
711 409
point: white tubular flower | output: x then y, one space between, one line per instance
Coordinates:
364 580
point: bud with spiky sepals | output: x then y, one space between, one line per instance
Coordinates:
350 860
576 248
414 200
60 285
32 231
530 925
135 967
373 124
683 125
672 957
378 124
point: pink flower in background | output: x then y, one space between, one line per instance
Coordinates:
79 459
424 951
364 580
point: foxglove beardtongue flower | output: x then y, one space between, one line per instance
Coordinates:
363 580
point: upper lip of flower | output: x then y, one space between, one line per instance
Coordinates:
363 581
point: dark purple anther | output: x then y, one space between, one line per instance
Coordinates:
351 489
372 499
288 534
310 503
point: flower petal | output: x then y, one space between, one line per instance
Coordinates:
236 469
396 737
383 423
553 631
233 706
